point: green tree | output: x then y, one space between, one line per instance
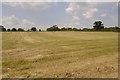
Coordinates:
40 30
14 29
53 28
28 30
3 29
75 29
69 29
63 29
33 29
98 25
20 29
8 30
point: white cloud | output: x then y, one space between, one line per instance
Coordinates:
94 10
27 23
72 8
90 13
85 9
81 11
76 18
30 5
103 15
13 21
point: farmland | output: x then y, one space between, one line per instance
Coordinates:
60 54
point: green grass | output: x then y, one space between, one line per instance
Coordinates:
60 54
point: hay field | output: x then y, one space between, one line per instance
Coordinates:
60 54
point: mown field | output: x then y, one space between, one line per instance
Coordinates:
60 54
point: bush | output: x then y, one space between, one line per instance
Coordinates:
14 29
40 30
33 29
20 29
8 30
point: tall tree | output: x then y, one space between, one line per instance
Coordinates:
53 28
98 25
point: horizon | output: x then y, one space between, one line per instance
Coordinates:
43 15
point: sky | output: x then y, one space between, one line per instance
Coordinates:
64 14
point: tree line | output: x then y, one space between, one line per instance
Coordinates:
2 28
97 26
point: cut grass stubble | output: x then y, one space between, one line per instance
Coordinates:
60 54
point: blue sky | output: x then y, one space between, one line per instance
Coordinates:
64 14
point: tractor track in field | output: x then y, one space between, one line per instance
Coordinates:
26 37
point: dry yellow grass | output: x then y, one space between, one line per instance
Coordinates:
60 54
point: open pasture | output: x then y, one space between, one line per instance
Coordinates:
60 54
